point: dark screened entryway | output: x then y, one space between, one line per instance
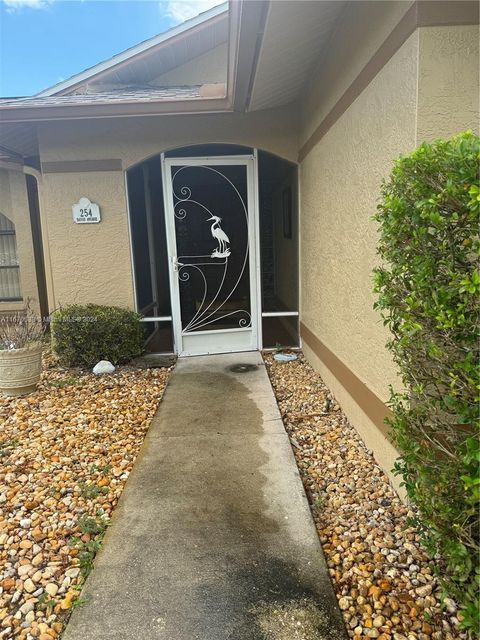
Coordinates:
243 281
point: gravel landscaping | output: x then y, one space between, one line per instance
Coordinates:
65 454
383 580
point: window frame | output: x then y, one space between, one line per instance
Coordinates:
11 232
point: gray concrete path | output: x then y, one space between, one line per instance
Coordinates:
212 538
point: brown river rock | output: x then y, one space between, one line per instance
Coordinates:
382 577
65 452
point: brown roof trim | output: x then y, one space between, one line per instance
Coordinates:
81 166
114 110
370 404
428 13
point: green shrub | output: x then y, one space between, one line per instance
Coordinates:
84 334
428 289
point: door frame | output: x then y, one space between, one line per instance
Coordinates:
251 164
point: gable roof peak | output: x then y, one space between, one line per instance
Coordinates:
137 50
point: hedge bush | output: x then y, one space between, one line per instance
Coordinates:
428 292
84 334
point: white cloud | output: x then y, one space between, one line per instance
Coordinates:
181 10
13 5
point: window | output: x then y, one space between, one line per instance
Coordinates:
9 269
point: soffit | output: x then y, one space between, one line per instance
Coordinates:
147 60
167 57
93 94
296 33
19 138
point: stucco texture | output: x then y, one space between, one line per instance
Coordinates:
134 139
361 30
89 262
448 82
340 182
14 205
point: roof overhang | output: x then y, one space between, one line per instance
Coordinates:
156 44
245 29
208 98
113 110
296 36
245 43
10 159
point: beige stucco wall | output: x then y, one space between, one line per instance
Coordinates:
428 89
92 263
89 263
448 82
340 183
135 139
361 30
14 205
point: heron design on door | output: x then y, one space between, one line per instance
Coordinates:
215 284
217 232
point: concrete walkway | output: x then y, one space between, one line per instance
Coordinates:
213 537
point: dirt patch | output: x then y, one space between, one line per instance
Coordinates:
294 620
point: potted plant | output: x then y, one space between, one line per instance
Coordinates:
21 336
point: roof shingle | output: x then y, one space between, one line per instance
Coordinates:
128 94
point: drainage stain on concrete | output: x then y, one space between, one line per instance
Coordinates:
195 532
279 603
263 568
208 402
242 368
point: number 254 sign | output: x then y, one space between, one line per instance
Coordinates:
86 212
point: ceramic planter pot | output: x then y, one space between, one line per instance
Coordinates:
20 370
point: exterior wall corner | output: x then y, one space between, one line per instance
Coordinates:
14 205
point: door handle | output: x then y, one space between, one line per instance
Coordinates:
175 263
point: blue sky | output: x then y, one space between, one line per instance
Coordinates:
45 41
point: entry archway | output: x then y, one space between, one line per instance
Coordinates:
274 258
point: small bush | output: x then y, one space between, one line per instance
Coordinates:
84 334
428 289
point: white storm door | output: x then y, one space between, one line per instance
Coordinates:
211 228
